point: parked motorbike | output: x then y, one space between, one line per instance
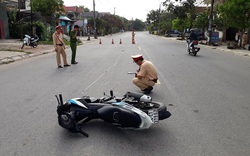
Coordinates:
30 41
132 111
192 47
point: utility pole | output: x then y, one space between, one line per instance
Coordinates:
210 22
31 17
19 15
94 20
159 17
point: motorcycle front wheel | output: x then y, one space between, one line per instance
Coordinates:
22 46
34 44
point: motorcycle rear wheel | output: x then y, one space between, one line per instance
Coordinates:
150 105
161 108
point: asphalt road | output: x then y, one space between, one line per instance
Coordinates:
208 96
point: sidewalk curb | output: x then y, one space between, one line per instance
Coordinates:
11 59
8 60
234 51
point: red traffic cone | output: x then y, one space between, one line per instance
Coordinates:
112 41
133 41
120 41
100 41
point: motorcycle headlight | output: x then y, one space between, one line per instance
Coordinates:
66 121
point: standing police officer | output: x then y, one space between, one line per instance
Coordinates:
59 46
73 43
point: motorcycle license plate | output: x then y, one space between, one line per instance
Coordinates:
154 115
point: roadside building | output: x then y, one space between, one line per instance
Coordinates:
75 15
4 26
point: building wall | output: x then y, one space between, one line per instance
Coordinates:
27 5
4 29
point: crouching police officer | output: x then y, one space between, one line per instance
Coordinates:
146 75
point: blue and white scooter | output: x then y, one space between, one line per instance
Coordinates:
133 111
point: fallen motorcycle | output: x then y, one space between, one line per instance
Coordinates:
30 41
132 111
192 47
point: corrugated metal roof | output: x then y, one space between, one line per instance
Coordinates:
65 18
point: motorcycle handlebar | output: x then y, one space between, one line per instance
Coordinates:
59 99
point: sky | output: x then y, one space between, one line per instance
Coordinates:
130 9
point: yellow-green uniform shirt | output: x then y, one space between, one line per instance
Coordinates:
147 70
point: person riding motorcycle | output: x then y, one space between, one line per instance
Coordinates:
192 37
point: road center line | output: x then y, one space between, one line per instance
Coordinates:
139 47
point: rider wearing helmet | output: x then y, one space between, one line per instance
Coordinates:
192 37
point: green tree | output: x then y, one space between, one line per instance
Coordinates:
165 23
138 25
47 7
153 20
201 21
236 13
40 29
178 24
111 24
86 10
185 11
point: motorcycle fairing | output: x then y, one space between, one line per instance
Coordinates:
79 113
77 102
119 116
130 107
146 121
